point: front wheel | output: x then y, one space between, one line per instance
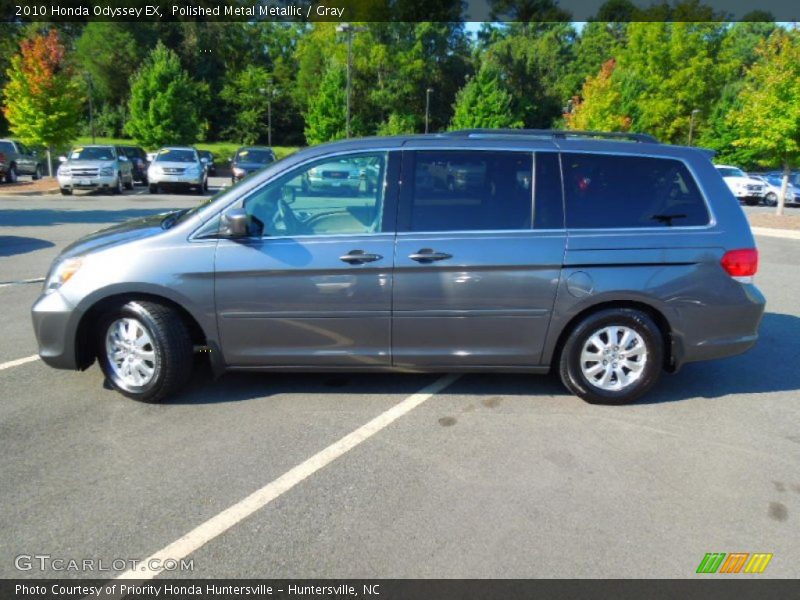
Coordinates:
145 351
153 188
12 176
613 356
66 192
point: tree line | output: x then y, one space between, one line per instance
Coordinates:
733 87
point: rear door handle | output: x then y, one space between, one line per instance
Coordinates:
426 255
359 257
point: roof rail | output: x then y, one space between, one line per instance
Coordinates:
559 134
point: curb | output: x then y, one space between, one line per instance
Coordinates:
787 234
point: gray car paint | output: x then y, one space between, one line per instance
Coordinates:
502 302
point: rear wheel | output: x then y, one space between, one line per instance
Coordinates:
37 174
129 184
144 350
117 189
771 199
612 357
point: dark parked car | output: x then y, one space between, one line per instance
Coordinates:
606 260
207 158
16 159
250 159
139 162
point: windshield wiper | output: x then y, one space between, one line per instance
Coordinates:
667 219
173 218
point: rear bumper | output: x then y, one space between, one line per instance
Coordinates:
55 325
734 325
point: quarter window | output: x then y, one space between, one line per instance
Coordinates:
468 191
333 196
613 191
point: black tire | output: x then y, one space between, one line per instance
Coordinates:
771 199
37 174
153 188
65 192
117 189
12 176
570 370
172 347
129 185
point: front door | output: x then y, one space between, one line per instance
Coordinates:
312 285
476 270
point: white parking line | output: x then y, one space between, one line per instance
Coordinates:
22 281
18 362
223 521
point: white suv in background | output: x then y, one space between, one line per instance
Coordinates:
177 167
746 189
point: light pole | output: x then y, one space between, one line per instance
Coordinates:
270 94
349 29
427 107
695 112
91 105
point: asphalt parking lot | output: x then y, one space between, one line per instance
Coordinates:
492 476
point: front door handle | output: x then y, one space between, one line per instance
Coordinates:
426 255
359 257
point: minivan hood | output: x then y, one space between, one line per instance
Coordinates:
135 229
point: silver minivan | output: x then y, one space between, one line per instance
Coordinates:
607 257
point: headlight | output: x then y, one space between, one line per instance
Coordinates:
238 171
61 274
64 171
154 170
106 172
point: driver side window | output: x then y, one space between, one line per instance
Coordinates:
332 196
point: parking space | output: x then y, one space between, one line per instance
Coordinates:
492 476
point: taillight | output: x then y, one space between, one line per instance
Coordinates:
741 264
2 158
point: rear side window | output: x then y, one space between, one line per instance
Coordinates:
612 191
471 191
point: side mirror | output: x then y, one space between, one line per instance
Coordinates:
234 223
62 159
123 158
204 160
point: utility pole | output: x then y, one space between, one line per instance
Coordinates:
695 112
270 93
349 29
427 107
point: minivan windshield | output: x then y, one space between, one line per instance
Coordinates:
731 172
92 153
176 155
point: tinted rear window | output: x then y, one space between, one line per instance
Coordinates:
472 191
612 191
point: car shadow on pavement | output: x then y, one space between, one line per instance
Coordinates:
770 366
11 245
46 217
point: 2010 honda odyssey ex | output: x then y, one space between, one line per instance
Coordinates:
607 257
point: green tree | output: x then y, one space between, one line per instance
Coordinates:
325 118
484 102
598 106
248 92
42 99
107 53
769 116
166 104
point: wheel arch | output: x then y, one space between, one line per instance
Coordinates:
85 348
654 313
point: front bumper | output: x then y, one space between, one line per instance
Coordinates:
184 180
55 324
68 182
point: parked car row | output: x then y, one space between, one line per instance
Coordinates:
760 188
